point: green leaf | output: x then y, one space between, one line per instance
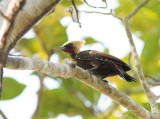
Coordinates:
106 50
11 88
68 3
90 40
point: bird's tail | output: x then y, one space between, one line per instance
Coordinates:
127 77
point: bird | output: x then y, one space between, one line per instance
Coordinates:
100 64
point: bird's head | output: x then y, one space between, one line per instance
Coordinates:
71 47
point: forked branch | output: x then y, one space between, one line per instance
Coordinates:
150 95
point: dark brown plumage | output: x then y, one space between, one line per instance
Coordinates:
100 64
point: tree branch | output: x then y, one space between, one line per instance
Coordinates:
110 13
77 13
12 11
66 70
95 6
150 95
3 115
153 78
7 23
24 20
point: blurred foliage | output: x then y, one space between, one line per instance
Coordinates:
66 3
50 31
11 88
69 99
90 40
73 97
30 47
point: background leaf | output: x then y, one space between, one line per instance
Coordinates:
90 40
11 88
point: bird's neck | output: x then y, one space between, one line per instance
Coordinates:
73 55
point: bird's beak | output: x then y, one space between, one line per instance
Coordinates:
59 48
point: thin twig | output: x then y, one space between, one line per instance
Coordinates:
77 13
153 78
110 13
95 6
129 63
5 17
153 83
2 114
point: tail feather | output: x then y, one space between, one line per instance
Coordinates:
127 77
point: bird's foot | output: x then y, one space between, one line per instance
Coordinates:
67 61
91 72
74 64
105 81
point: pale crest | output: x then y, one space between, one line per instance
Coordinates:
77 45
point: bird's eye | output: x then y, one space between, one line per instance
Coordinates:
69 46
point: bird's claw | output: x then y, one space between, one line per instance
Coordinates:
74 64
105 81
91 72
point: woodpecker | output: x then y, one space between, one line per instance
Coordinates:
98 63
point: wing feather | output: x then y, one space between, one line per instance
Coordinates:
95 55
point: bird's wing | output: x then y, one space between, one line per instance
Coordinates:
95 55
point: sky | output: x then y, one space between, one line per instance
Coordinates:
106 29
